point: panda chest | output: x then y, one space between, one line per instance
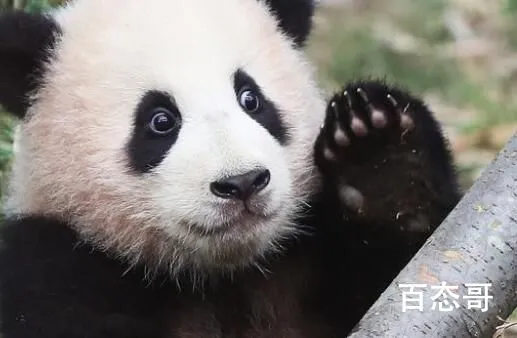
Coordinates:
256 307
251 317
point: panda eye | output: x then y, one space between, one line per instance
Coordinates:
163 121
249 100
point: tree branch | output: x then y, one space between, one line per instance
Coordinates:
477 243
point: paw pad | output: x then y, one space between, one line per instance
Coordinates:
352 198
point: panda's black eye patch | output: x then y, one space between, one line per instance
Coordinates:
252 101
156 128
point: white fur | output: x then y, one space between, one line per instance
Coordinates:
71 159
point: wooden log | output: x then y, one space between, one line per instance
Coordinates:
477 243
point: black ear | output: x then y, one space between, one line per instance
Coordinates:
295 17
25 40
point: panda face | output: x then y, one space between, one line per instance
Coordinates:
178 136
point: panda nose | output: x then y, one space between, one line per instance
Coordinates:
243 186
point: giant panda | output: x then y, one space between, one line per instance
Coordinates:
179 173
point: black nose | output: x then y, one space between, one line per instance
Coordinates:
242 186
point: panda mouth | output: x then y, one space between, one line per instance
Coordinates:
244 220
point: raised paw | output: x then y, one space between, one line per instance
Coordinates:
366 115
380 150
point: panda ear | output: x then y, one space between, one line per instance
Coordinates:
25 40
295 17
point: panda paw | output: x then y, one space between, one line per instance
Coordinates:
364 118
369 149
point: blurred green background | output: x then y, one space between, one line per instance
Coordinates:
459 55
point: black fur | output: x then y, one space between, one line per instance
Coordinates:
146 150
319 287
295 17
52 288
25 42
267 115
404 173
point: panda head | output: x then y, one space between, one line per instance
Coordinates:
178 134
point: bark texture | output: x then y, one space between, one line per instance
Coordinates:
477 243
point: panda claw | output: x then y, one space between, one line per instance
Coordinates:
333 105
406 122
378 118
392 100
361 92
357 126
348 99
